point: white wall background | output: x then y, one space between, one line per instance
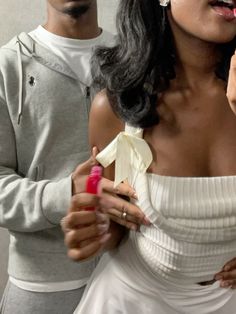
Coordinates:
25 15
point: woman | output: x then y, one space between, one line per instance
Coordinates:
168 76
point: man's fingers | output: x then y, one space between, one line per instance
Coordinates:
94 154
87 252
79 176
92 248
74 237
75 219
85 167
82 200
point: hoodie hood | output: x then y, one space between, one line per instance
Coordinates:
25 46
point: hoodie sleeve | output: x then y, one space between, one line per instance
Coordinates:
25 205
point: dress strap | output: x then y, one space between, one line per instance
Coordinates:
130 151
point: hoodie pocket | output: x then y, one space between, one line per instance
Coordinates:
57 167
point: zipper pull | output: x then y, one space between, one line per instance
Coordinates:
87 91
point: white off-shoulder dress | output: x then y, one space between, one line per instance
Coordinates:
192 235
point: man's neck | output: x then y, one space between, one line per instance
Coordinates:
83 27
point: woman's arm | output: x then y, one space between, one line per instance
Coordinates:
87 233
104 125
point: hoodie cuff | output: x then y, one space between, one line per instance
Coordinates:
56 200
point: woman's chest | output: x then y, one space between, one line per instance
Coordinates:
201 143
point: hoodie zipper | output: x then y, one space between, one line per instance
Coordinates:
87 99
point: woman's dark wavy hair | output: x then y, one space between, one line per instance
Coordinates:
142 63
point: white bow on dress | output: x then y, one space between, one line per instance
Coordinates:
129 150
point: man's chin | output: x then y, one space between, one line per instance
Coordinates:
76 11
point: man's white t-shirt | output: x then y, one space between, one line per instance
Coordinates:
77 54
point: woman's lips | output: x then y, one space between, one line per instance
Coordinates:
227 13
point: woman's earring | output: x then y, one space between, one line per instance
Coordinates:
164 3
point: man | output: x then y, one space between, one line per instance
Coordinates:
44 105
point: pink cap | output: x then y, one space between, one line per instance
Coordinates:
96 170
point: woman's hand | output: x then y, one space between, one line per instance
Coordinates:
231 89
227 276
115 202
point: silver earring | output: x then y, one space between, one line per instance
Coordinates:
164 3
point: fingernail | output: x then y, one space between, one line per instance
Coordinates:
102 228
227 268
100 217
225 284
104 238
146 221
134 227
135 196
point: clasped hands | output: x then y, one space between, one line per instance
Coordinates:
89 232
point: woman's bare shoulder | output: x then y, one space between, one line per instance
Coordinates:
104 124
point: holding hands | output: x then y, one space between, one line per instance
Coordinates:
89 232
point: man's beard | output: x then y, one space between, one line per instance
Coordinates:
77 12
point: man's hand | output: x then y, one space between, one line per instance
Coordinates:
89 232
86 232
113 201
79 176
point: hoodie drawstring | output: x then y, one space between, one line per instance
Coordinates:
20 68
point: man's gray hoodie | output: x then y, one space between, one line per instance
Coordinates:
43 137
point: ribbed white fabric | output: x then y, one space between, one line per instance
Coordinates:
194 225
157 270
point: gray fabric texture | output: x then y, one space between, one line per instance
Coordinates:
38 153
19 301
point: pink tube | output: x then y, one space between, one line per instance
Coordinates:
93 181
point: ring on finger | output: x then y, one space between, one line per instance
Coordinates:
124 214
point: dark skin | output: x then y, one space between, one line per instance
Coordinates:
197 129
183 141
78 20
89 232
62 22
